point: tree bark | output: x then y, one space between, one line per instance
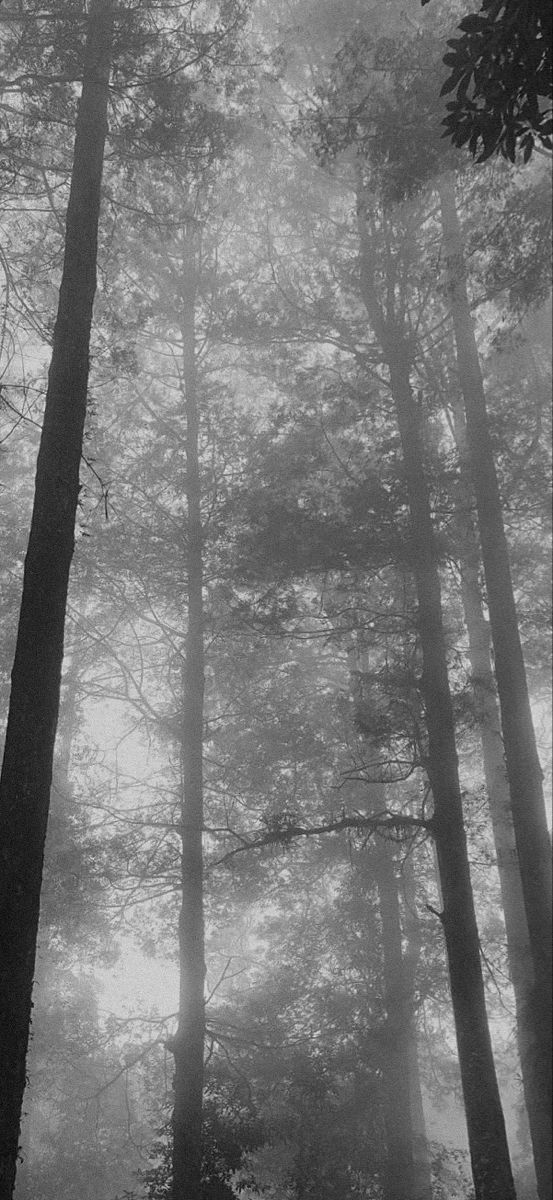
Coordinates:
35 688
188 1043
491 1167
521 756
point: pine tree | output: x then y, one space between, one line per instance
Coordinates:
28 754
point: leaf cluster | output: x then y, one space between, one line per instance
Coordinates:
500 70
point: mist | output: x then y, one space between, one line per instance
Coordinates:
275 377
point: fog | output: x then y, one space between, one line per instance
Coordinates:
294 896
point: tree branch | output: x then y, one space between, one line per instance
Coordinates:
286 833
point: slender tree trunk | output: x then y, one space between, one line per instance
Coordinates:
411 956
523 767
497 787
399 1182
491 1167
188 1044
33 711
408 1166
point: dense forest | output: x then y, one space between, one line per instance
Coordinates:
275 371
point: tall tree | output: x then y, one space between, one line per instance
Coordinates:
497 785
521 755
383 271
173 267
34 701
188 1043
487 1138
396 156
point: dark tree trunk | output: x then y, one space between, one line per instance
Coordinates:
68 723
523 767
489 1151
188 1044
33 711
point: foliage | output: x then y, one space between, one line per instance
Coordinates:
230 1131
500 70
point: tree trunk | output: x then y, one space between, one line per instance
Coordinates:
399 1182
523 767
487 1138
188 1044
412 933
491 1167
408 1174
497 787
33 711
